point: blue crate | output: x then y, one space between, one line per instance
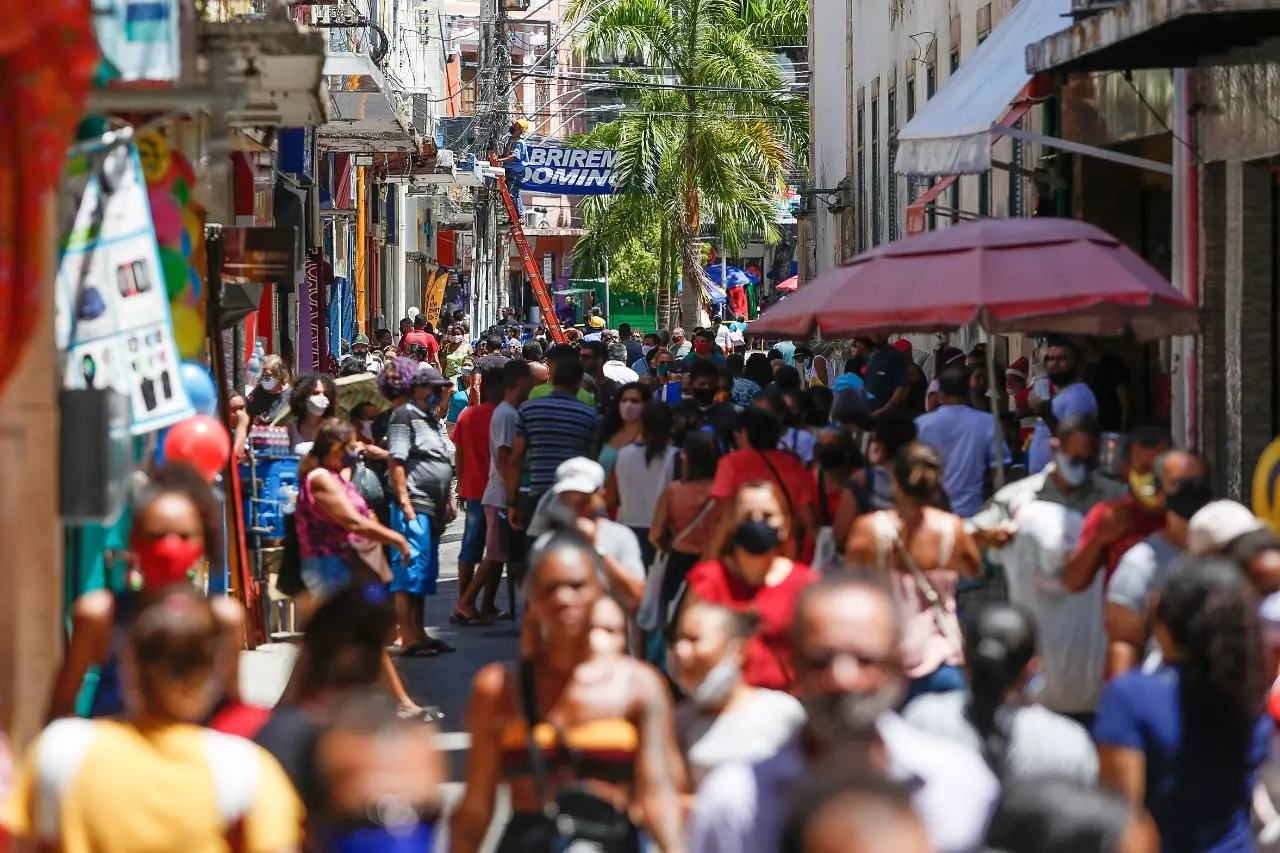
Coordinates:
264 510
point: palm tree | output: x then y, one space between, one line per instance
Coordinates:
711 133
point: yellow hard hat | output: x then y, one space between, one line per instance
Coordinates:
521 123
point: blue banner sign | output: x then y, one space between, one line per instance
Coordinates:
569 171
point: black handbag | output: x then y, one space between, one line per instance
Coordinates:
289 578
575 815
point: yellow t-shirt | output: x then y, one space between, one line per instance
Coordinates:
108 786
584 396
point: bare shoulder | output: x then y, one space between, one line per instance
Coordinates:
228 611
648 684
490 683
94 607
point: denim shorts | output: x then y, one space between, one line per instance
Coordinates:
324 576
473 534
417 573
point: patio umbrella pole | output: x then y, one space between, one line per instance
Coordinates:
995 411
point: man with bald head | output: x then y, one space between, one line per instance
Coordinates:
1182 479
846 643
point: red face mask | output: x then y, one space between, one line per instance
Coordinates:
167 560
701 347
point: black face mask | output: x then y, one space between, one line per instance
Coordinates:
1063 378
704 396
756 537
830 456
1190 498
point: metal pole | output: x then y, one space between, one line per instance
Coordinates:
724 269
997 429
607 312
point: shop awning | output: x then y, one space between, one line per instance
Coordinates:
366 115
1158 34
951 135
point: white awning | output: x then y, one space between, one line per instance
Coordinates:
951 135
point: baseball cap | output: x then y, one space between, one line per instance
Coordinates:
360 339
1217 525
428 375
902 345
578 474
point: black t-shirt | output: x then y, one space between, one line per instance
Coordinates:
263 405
290 735
721 417
886 373
1103 378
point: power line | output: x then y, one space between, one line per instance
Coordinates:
612 82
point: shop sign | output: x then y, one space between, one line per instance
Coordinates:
569 171
259 256
112 324
140 38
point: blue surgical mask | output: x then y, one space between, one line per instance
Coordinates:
1073 472
350 458
412 838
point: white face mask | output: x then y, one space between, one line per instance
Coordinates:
713 691
366 427
646 349
457 339
269 383
318 404
630 410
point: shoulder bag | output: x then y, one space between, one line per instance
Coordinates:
576 816
786 497
946 622
648 616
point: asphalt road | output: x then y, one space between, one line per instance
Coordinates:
443 681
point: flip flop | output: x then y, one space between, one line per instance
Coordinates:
419 650
461 618
436 645
426 714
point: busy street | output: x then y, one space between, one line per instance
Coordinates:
639 426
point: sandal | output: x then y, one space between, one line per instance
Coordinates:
425 714
463 619
437 645
419 650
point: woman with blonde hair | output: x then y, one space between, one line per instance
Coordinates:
754 571
923 550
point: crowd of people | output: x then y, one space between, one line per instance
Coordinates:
769 600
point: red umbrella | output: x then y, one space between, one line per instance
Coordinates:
1024 275
788 284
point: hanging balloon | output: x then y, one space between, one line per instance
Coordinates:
199 386
175 271
155 155
184 245
195 287
193 226
188 331
201 442
181 171
181 191
166 215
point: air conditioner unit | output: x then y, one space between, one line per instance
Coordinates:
445 160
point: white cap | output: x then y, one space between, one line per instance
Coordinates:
579 474
413 312
1217 525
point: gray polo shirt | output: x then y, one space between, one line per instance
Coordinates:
416 440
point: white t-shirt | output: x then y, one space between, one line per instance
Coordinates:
1041 743
800 442
1073 637
640 483
502 433
751 731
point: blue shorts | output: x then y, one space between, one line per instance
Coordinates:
416 574
473 534
324 576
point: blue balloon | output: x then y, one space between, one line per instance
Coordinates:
200 389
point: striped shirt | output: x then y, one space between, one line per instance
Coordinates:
555 428
416 440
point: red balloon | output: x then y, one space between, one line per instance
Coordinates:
201 442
